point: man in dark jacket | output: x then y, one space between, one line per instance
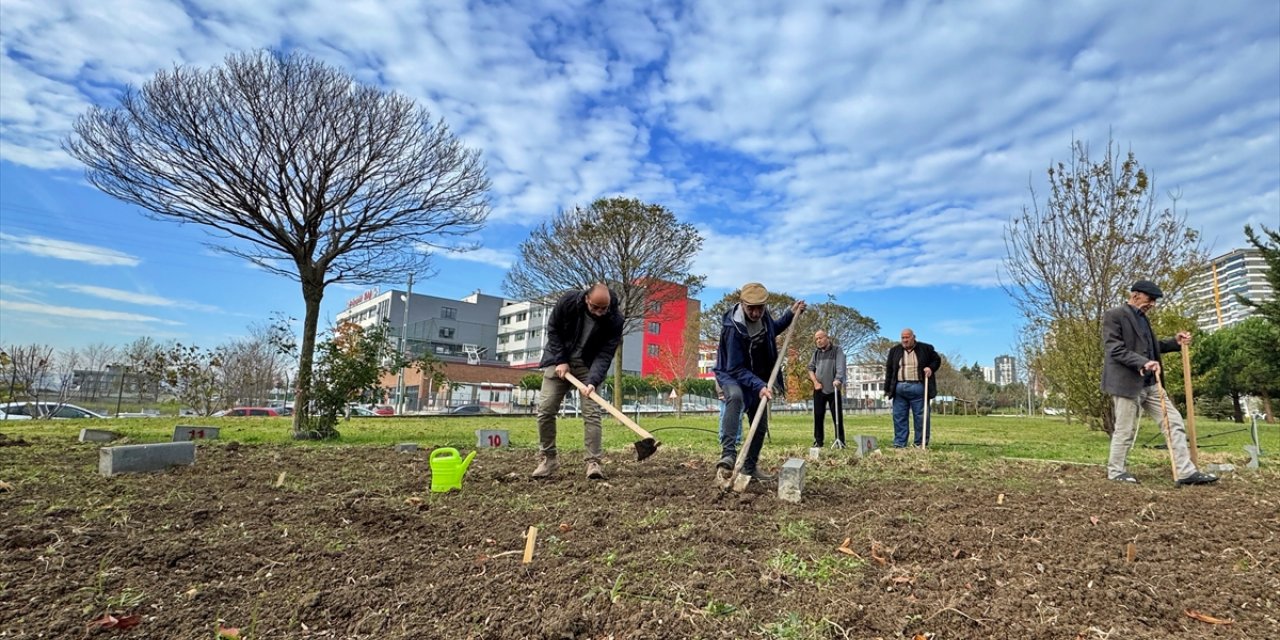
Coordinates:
910 364
1131 360
744 360
583 332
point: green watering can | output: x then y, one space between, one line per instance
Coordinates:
447 469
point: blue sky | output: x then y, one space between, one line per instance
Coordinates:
873 151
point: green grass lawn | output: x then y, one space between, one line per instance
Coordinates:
976 437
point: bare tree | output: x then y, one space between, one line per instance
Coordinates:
64 370
294 166
638 249
29 367
1073 256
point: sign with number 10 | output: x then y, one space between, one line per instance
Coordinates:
491 438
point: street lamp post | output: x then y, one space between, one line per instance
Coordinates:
120 393
404 342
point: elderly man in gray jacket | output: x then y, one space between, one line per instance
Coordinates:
1131 362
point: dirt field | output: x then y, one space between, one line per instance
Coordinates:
352 545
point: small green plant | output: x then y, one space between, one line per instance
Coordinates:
609 558
716 608
655 517
794 627
790 565
797 530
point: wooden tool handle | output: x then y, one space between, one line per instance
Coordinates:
1191 405
622 417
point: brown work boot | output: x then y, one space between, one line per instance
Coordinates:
546 466
594 471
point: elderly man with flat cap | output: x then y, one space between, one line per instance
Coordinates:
744 360
1131 361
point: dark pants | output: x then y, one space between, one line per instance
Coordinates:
735 403
908 396
821 401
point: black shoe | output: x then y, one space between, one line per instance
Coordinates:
1198 477
816 445
757 475
1125 477
726 462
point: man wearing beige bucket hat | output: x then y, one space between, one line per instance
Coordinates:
747 352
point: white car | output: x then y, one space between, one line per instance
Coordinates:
29 410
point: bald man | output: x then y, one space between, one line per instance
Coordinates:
583 332
826 372
909 365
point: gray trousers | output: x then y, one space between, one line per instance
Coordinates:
1126 432
553 392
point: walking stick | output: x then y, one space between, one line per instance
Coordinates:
1191 405
1164 426
838 418
924 444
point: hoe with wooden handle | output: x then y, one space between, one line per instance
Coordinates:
645 447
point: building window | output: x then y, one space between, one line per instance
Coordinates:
522 316
448 313
504 320
446 332
519 335
654 327
653 350
655 308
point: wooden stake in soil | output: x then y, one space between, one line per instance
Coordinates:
1191 405
529 540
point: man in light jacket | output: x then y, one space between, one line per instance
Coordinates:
827 372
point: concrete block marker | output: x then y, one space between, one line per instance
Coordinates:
1220 469
406 447
186 434
815 453
866 444
1252 450
98 435
791 480
145 457
492 438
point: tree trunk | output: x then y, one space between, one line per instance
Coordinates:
1237 411
1266 407
312 293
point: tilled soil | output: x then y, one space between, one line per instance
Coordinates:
347 542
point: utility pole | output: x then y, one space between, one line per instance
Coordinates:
404 342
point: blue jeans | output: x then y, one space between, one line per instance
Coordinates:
731 412
908 395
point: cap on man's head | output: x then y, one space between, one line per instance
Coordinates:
753 293
1148 287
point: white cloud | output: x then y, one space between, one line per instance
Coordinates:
104 315
483 255
134 297
65 250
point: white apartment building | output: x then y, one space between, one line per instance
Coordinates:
1212 294
1006 370
522 328
449 329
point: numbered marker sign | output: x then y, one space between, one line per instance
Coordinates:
491 438
185 434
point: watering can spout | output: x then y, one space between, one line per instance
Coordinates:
466 463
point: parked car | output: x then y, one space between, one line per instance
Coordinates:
29 410
470 410
383 410
240 412
362 412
